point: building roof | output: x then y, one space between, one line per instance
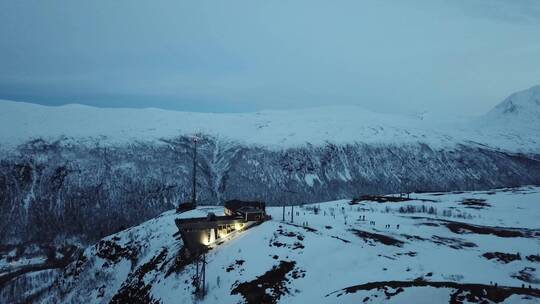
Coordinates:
206 219
235 205
206 223
249 209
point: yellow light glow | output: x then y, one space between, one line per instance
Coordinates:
222 234
204 240
209 238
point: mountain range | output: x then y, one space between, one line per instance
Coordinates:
84 172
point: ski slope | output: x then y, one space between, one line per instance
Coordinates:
330 247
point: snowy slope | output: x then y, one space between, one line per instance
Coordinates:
328 259
22 121
124 166
340 124
519 107
515 120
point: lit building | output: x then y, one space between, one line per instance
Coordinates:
198 233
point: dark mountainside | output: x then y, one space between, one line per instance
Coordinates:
54 190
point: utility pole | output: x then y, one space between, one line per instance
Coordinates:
194 186
292 213
203 274
284 212
197 281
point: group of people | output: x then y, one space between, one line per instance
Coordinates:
496 285
363 218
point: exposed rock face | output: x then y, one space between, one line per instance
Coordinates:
66 188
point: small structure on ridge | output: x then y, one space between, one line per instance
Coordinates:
198 233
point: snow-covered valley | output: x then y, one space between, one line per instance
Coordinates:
455 247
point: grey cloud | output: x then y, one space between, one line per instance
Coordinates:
246 55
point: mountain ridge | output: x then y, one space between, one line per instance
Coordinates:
519 103
282 262
275 129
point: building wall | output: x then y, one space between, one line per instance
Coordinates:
204 236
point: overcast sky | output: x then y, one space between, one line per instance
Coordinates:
459 56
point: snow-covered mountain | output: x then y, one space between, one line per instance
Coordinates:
78 171
522 106
466 247
20 122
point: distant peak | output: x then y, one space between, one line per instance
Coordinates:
526 102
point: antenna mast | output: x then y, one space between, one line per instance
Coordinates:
194 186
